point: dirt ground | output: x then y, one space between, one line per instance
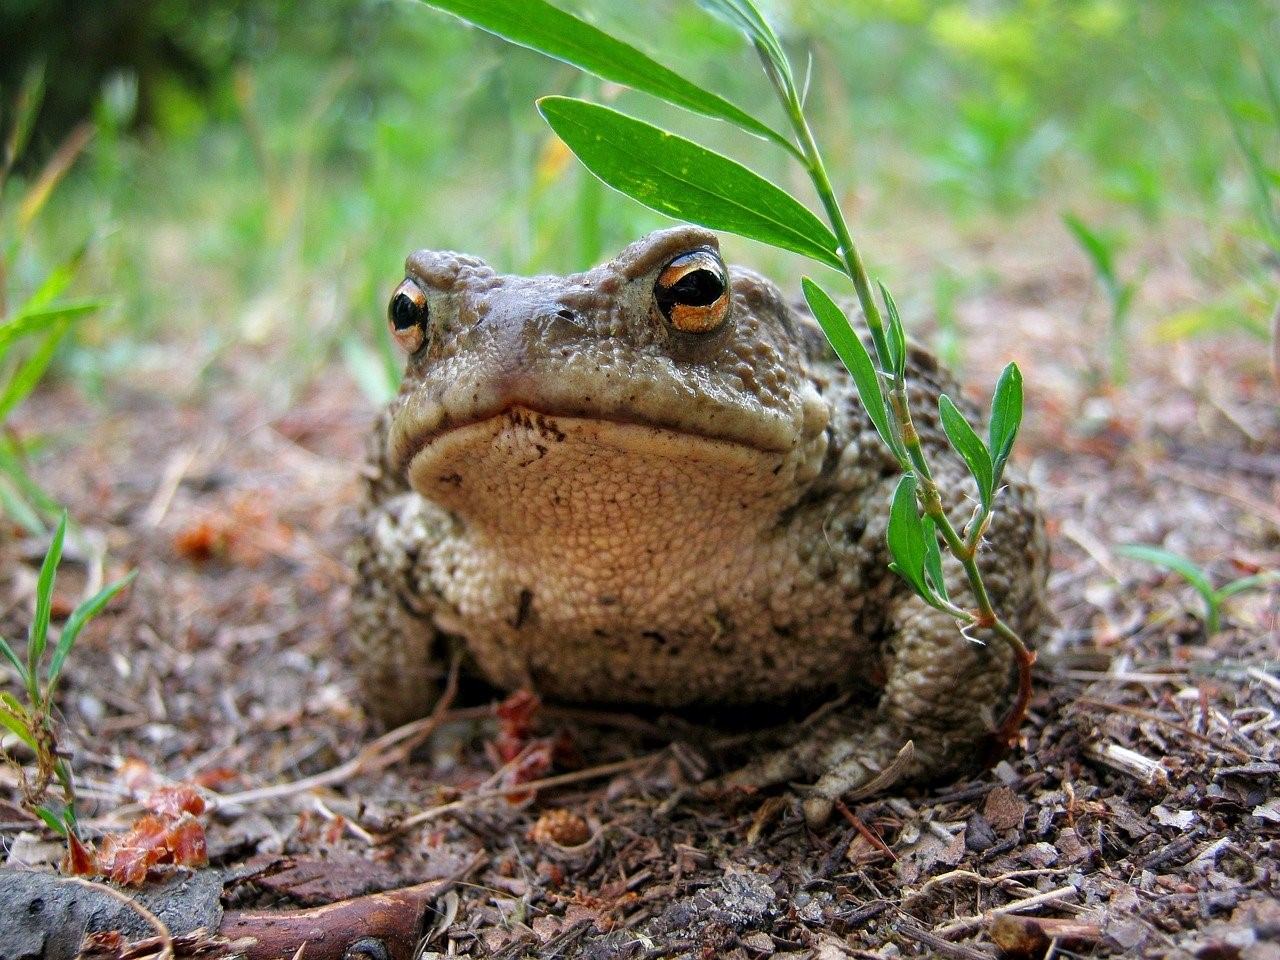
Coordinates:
1140 817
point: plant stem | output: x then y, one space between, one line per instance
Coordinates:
965 550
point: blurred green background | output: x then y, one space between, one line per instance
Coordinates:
253 172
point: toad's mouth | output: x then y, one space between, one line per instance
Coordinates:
426 438
523 438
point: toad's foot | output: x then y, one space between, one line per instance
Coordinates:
847 762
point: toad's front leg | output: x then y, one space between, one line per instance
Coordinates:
945 693
943 696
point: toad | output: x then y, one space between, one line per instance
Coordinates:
654 484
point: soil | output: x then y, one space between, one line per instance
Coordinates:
1138 817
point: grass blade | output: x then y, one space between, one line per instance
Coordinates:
1006 418
1096 248
82 614
856 359
540 26
1258 581
29 372
28 322
969 445
17 509
686 181
15 725
8 653
39 634
1175 562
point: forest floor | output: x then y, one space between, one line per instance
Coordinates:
1139 817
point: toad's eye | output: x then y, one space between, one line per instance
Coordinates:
407 314
692 292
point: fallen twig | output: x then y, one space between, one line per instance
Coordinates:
957 928
1143 769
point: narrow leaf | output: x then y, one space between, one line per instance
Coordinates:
853 354
1095 247
29 372
52 820
79 617
1175 562
30 95
44 598
18 510
970 447
28 322
746 16
8 653
686 181
906 538
897 335
15 725
540 26
933 558
1006 417
1258 581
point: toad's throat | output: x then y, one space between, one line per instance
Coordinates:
524 471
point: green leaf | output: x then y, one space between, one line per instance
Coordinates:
1256 582
82 614
853 354
30 95
29 372
39 634
16 724
541 26
686 181
906 539
27 322
19 510
52 820
933 558
969 445
8 653
1006 417
1175 562
1097 248
897 335
745 16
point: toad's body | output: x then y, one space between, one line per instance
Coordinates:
653 484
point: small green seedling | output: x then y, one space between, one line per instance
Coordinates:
31 719
1198 577
1102 249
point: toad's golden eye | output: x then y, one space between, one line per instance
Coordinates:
407 314
692 292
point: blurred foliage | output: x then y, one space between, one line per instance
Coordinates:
259 169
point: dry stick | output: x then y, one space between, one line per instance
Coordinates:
867 833
156 924
962 926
